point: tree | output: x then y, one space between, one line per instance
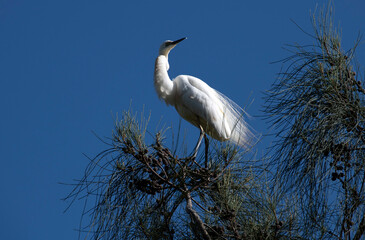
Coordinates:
148 192
317 106
311 188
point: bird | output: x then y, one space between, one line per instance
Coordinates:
201 105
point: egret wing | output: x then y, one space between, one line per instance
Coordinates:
232 119
196 102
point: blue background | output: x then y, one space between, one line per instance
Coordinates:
68 67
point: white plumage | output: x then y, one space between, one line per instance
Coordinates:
199 104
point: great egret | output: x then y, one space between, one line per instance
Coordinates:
204 107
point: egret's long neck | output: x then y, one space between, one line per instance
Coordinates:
163 83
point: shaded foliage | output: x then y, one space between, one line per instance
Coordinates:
148 192
317 108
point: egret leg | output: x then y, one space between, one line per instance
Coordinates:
202 134
206 141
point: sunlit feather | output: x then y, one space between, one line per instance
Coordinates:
201 105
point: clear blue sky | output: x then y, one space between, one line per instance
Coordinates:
67 67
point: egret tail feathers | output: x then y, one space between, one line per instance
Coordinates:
241 133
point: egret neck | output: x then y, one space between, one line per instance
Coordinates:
163 84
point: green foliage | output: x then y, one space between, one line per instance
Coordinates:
317 107
147 192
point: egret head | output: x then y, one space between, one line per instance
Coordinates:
166 46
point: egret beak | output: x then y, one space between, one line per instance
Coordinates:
177 41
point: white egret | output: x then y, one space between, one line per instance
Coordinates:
204 107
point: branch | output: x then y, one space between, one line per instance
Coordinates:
195 217
360 231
